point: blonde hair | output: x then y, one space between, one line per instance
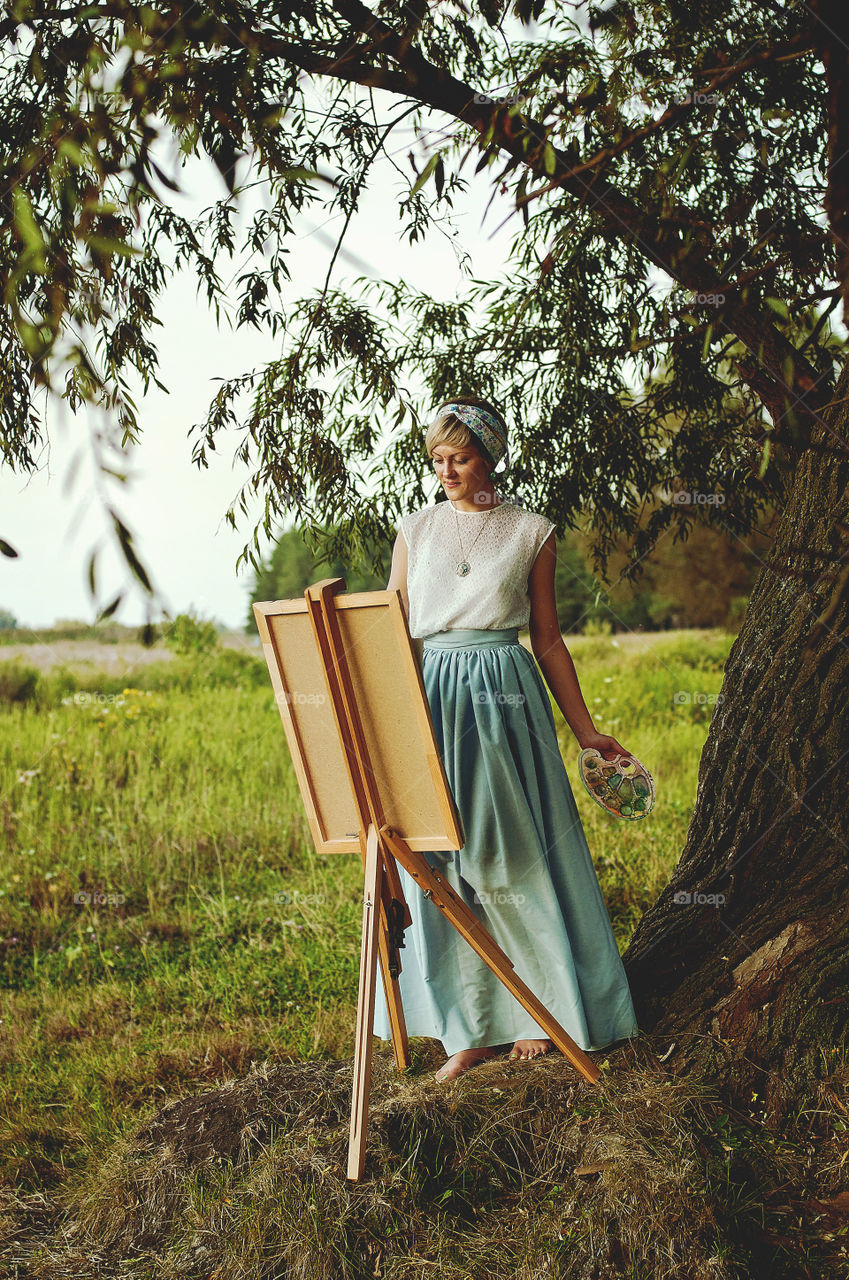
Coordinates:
446 428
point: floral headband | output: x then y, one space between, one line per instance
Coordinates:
489 430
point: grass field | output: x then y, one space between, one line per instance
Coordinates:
165 924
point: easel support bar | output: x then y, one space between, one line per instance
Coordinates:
467 924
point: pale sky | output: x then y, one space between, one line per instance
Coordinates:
174 510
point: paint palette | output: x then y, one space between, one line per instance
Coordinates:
623 786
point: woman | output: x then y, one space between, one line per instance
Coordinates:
473 571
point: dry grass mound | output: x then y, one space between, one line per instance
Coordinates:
515 1170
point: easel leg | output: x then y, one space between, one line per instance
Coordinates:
365 1007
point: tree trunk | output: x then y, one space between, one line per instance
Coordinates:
755 984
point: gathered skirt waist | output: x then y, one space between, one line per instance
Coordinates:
471 638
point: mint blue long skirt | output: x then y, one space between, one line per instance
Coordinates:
525 869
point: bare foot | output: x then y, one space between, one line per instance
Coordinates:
463 1060
524 1049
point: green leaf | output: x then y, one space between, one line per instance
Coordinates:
126 540
26 225
36 339
439 176
779 306
297 174
163 177
67 147
110 608
105 244
7 549
549 159
764 461
776 113
425 174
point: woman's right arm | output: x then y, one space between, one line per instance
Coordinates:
398 575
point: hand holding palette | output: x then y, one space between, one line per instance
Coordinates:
622 786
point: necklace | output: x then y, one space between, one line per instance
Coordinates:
463 567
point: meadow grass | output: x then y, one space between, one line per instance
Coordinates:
206 933
179 980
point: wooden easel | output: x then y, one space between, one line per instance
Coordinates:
385 911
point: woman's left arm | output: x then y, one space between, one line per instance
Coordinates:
555 660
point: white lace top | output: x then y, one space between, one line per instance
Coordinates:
500 545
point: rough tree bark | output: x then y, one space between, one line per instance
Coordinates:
759 982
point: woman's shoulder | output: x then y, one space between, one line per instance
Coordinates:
409 522
533 520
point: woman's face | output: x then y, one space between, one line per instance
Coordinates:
462 472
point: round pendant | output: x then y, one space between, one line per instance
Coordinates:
463 569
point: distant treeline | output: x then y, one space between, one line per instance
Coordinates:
704 581
12 632
106 632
